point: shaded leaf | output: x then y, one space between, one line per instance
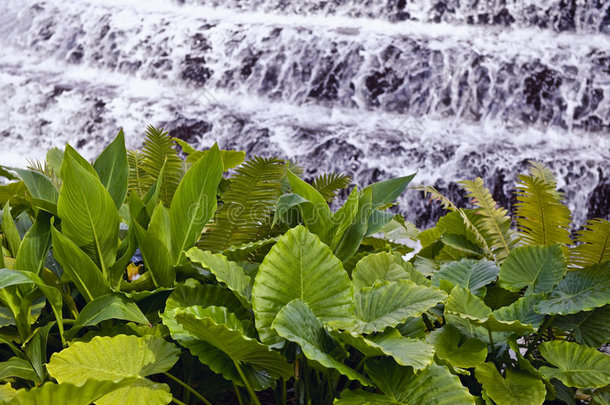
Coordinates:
539 268
516 388
577 365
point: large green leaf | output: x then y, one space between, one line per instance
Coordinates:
456 349
539 268
388 304
67 394
33 250
300 266
9 229
343 218
580 290
405 351
226 271
194 202
88 215
110 306
17 367
468 273
522 310
463 304
386 192
434 385
17 277
297 323
43 191
516 388
353 235
118 357
222 330
113 169
588 328
577 365
157 258
83 272
379 266
192 293
315 213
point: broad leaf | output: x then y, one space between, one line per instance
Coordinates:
226 271
580 290
222 330
405 351
83 272
434 385
468 273
377 267
353 235
9 229
113 169
539 268
88 215
315 212
297 323
41 188
118 357
53 295
588 328
517 388
388 304
463 304
577 365
16 367
33 250
300 266
456 349
156 257
110 306
67 394
343 218
386 192
194 202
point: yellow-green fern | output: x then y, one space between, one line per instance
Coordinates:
595 244
495 222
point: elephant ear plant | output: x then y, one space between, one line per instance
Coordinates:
171 274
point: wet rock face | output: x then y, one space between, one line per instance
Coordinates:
599 200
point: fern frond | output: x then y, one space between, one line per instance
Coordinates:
158 149
542 218
138 178
449 205
495 222
328 184
540 171
595 244
247 203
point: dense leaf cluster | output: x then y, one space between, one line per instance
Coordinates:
151 276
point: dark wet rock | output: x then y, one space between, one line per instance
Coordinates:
599 201
195 70
189 130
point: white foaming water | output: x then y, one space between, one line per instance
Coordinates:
334 88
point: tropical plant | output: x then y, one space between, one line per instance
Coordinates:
147 278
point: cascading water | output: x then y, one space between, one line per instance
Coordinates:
453 88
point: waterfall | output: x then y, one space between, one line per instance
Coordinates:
453 89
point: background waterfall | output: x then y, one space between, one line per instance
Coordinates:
452 88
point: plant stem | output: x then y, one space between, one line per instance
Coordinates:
238 393
547 322
177 401
491 342
247 383
284 399
188 387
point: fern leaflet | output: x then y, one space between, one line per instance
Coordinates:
595 244
328 184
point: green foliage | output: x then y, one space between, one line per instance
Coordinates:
253 290
541 216
158 153
246 205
